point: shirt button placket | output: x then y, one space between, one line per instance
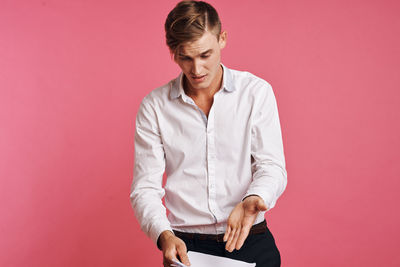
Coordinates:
211 158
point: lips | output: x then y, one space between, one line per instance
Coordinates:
199 78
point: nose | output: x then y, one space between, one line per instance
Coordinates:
196 67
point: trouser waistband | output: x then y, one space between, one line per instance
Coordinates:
255 229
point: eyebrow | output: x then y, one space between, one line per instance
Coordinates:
202 53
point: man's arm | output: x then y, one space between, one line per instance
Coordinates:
268 160
147 192
268 168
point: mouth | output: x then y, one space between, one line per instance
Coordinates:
199 78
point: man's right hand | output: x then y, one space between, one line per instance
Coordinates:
173 248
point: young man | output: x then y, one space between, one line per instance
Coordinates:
215 132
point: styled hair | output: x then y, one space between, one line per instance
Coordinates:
188 21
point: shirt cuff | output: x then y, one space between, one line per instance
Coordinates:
157 230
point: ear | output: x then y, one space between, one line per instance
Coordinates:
222 39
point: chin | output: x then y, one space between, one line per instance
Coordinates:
200 86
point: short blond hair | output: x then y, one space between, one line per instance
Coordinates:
188 21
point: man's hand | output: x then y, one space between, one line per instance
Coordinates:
173 248
241 220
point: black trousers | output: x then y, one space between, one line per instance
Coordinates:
258 248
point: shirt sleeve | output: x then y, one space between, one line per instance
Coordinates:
146 191
267 155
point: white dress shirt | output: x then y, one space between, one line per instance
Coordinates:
211 163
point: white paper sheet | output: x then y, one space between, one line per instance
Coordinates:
204 260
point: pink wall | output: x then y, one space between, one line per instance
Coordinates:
72 74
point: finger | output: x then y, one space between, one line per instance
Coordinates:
230 238
176 263
183 255
227 232
234 240
167 263
242 237
169 257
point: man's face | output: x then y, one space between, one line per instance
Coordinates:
200 61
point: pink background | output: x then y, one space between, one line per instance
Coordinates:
72 74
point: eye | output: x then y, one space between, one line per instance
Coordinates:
184 58
205 56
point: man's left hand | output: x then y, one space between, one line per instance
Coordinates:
241 220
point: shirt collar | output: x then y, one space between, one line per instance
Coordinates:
227 83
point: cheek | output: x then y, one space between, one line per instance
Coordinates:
183 66
215 60
213 64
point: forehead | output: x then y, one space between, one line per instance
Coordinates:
206 42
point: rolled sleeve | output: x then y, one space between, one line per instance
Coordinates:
268 162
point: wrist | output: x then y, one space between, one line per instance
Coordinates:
165 235
250 196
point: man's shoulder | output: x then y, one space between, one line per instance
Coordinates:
247 80
159 95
